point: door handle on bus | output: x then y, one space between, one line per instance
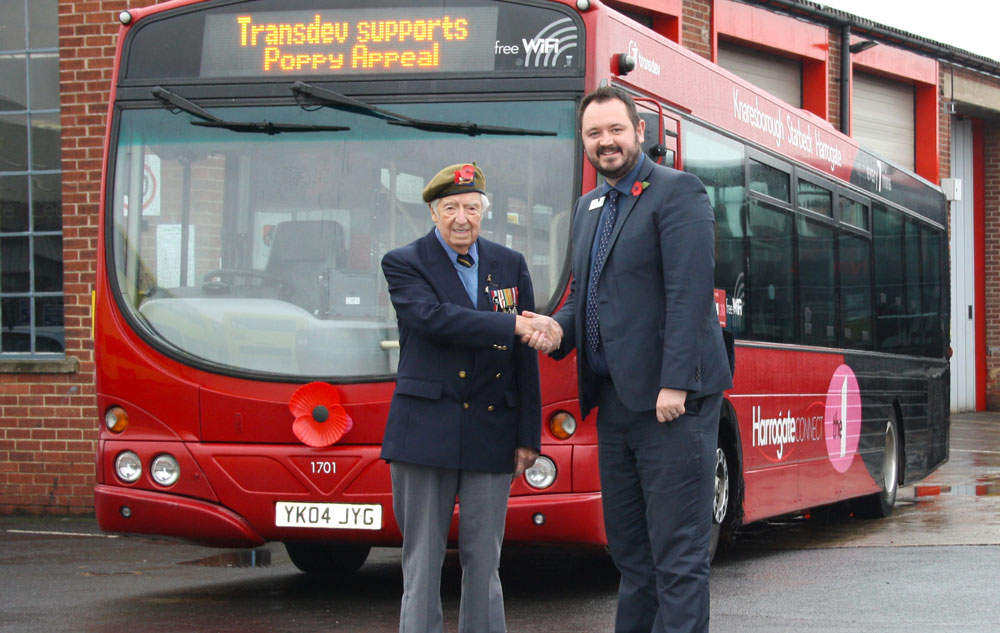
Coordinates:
387 345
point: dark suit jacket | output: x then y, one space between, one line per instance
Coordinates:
467 391
655 295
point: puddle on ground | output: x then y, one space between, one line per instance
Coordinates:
983 487
235 558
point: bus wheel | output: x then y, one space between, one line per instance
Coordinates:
880 504
327 558
724 511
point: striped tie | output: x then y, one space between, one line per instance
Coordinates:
608 218
466 260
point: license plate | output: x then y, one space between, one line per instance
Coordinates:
337 516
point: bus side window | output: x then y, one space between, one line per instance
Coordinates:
718 162
730 259
856 291
891 331
817 311
772 273
923 292
930 260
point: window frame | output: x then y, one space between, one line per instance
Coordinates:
35 298
802 175
776 164
842 192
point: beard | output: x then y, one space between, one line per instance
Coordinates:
630 156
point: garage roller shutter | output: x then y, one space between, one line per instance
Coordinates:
882 117
780 76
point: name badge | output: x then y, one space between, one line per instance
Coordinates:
596 204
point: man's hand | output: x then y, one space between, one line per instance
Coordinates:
524 458
670 404
539 331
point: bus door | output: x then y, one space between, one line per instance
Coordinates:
671 128
660 141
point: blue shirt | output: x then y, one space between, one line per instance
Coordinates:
468 276
597 360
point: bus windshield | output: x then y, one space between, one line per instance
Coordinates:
256 248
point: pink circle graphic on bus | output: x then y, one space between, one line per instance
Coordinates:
842 419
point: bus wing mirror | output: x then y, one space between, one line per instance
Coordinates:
658 151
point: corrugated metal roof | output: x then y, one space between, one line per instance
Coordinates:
828 15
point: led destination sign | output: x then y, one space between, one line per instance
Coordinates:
351 41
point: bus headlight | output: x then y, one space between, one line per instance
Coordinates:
116 419
165 470
562 425
128 467
542 474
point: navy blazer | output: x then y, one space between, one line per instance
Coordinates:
655 297
467 391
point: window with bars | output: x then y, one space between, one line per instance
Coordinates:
31 261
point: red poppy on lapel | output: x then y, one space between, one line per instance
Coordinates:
638 187
320 420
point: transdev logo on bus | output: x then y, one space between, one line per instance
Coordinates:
839 425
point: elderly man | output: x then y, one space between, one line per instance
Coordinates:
466 413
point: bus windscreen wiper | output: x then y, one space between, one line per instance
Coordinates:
175 102
336 100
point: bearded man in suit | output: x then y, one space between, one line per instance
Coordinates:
652 359
466 413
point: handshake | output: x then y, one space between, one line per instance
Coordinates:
541 332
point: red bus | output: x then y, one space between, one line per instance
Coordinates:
261 158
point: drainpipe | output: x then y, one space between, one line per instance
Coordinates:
845 79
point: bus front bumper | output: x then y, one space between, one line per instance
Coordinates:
556 518
561 518
135 511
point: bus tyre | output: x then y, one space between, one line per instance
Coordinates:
327 558
880 504
724 511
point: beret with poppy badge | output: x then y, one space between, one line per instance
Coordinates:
455 179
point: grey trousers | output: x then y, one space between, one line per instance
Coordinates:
423 500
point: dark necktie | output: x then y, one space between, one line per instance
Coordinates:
604 237
466 260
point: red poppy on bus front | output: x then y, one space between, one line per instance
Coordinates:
320 420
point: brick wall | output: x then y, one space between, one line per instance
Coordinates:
944 125
48 414
991 152
696 27
833 61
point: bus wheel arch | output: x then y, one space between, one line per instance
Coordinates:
727 510
882 503
318 557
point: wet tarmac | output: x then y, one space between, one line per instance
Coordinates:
934 565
